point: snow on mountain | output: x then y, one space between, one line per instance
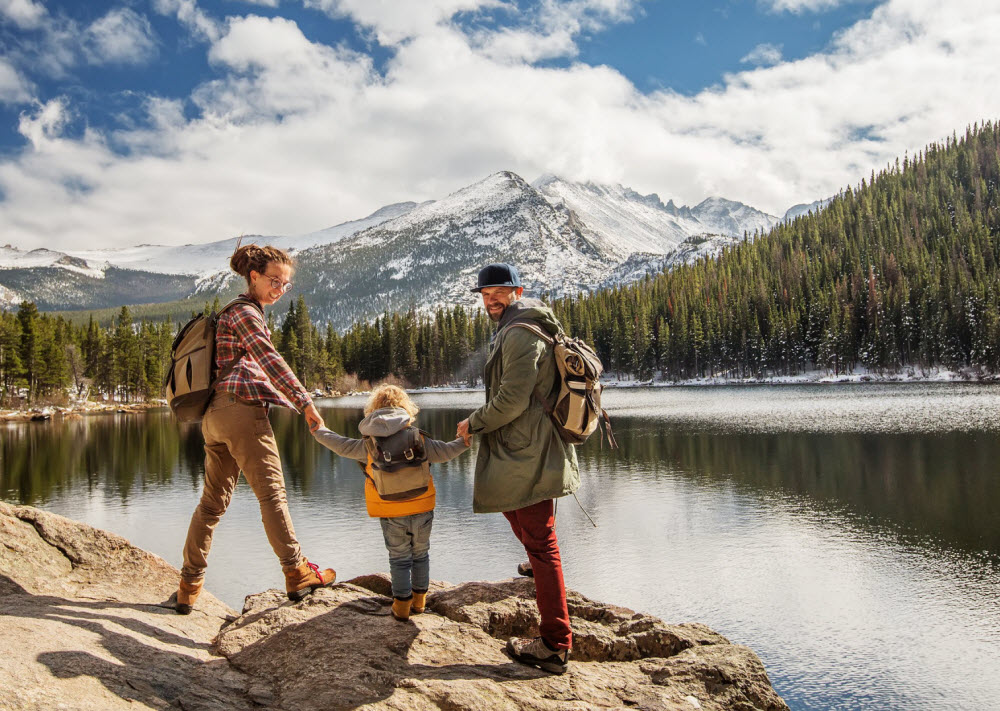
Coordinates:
629 223
805 209
726 217
565 237
623 221
14 258
9 299
346 229
198 260
638 265
430 255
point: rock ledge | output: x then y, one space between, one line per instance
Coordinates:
89 625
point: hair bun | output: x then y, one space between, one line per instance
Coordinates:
254 258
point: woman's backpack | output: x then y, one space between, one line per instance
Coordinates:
191 377
575 407
399 468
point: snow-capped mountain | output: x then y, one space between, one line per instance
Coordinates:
565 237
726 217
626 223
805 208
199 260
431 254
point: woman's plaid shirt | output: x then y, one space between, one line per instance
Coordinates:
261 376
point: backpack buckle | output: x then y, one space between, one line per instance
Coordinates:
409 454
387 457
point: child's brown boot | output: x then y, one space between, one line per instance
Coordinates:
303 579
419 602
401 607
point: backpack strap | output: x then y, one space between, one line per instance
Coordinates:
537 330
222 374
534 328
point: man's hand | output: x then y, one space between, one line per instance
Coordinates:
313 418
463 432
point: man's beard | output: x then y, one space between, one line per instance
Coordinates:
496 315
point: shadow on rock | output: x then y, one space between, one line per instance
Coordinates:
133 659
341 649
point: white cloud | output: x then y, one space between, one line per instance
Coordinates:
551 30
202 25
262 3
294 136
120 37
277 71
43 127
763 55
802 6
14 88
26 14
394 21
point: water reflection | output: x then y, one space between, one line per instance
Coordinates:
940 485
848 535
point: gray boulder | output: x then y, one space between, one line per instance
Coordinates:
88 624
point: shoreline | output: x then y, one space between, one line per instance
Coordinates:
910 377
41 413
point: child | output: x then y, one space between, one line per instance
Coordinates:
406 522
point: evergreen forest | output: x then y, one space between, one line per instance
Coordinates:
899 272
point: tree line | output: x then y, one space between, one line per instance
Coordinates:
45 358
901 271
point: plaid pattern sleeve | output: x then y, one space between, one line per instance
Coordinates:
243 327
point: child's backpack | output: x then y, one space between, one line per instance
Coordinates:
399 468
191 377
576 408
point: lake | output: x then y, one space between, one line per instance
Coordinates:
849 534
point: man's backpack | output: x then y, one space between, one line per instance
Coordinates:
399 467
191 377
575 406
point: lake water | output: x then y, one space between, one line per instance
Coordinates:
849 534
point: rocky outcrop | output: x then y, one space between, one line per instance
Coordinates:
87 622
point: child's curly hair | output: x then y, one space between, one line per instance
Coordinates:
391 396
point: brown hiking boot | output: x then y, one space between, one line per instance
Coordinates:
401 608
419 602
536 653
303 579
187 593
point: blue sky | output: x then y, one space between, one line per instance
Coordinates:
173 121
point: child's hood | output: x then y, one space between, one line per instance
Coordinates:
384 422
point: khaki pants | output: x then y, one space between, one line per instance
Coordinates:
238 436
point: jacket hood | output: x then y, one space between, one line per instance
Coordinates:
531 309
384 422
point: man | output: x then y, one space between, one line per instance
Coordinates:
523 463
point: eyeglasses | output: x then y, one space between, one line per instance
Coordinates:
278 285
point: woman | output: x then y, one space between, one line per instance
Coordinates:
238 435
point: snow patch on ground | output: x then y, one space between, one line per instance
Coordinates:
824 377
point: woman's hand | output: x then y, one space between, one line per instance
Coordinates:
313 418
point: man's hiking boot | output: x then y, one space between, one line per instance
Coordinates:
534 652
401 608
303 579
525 569
419 602
187 593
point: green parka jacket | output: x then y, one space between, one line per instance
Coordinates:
522 459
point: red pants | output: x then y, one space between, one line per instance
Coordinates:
535 527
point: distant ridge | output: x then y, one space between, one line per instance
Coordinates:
567 237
